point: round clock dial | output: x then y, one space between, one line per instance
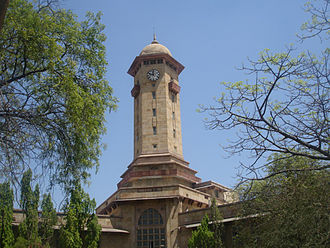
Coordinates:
153 75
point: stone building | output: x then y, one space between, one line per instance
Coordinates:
159 198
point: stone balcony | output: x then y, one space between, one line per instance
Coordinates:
173 87
135 91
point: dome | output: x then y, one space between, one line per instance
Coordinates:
155 48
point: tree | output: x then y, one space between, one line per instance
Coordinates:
216 225
202 237
93 232
6 215
319 22
209 233
284 110
35 231
292 208
21 243
53 91
47 221
81 228
29 202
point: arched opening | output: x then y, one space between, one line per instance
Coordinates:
151 230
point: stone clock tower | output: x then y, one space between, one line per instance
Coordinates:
157 122
158 185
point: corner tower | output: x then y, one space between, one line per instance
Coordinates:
157 121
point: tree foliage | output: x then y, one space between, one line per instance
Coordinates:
53 91
209 233
6 215
29 202
216 225
319 22
284 110
47 221
34 230
292 207
21 243
202 237
81 229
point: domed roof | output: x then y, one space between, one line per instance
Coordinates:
155 48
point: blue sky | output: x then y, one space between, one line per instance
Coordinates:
210 38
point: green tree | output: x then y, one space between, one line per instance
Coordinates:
21 243
216 225
292 207
6 215
53 91
319 22
93 232
284 108
81 228
209 233
29 202
47 221
202 237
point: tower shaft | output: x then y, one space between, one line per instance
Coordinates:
157 118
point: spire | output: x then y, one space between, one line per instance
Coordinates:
155 40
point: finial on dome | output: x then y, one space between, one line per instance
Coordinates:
155 40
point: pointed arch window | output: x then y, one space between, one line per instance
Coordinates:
151 230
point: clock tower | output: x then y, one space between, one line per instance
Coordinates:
157 122
158 185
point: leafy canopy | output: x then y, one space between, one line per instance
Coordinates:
284 108
6 215
47 221
35 230
53 91
81 229
202 237
293 207
216 225
29 202
209 233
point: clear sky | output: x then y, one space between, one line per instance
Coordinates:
210 38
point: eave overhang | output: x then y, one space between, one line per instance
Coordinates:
139 59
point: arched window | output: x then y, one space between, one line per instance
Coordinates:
151 231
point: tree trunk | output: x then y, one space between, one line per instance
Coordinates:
3 9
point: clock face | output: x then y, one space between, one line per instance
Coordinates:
153 75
